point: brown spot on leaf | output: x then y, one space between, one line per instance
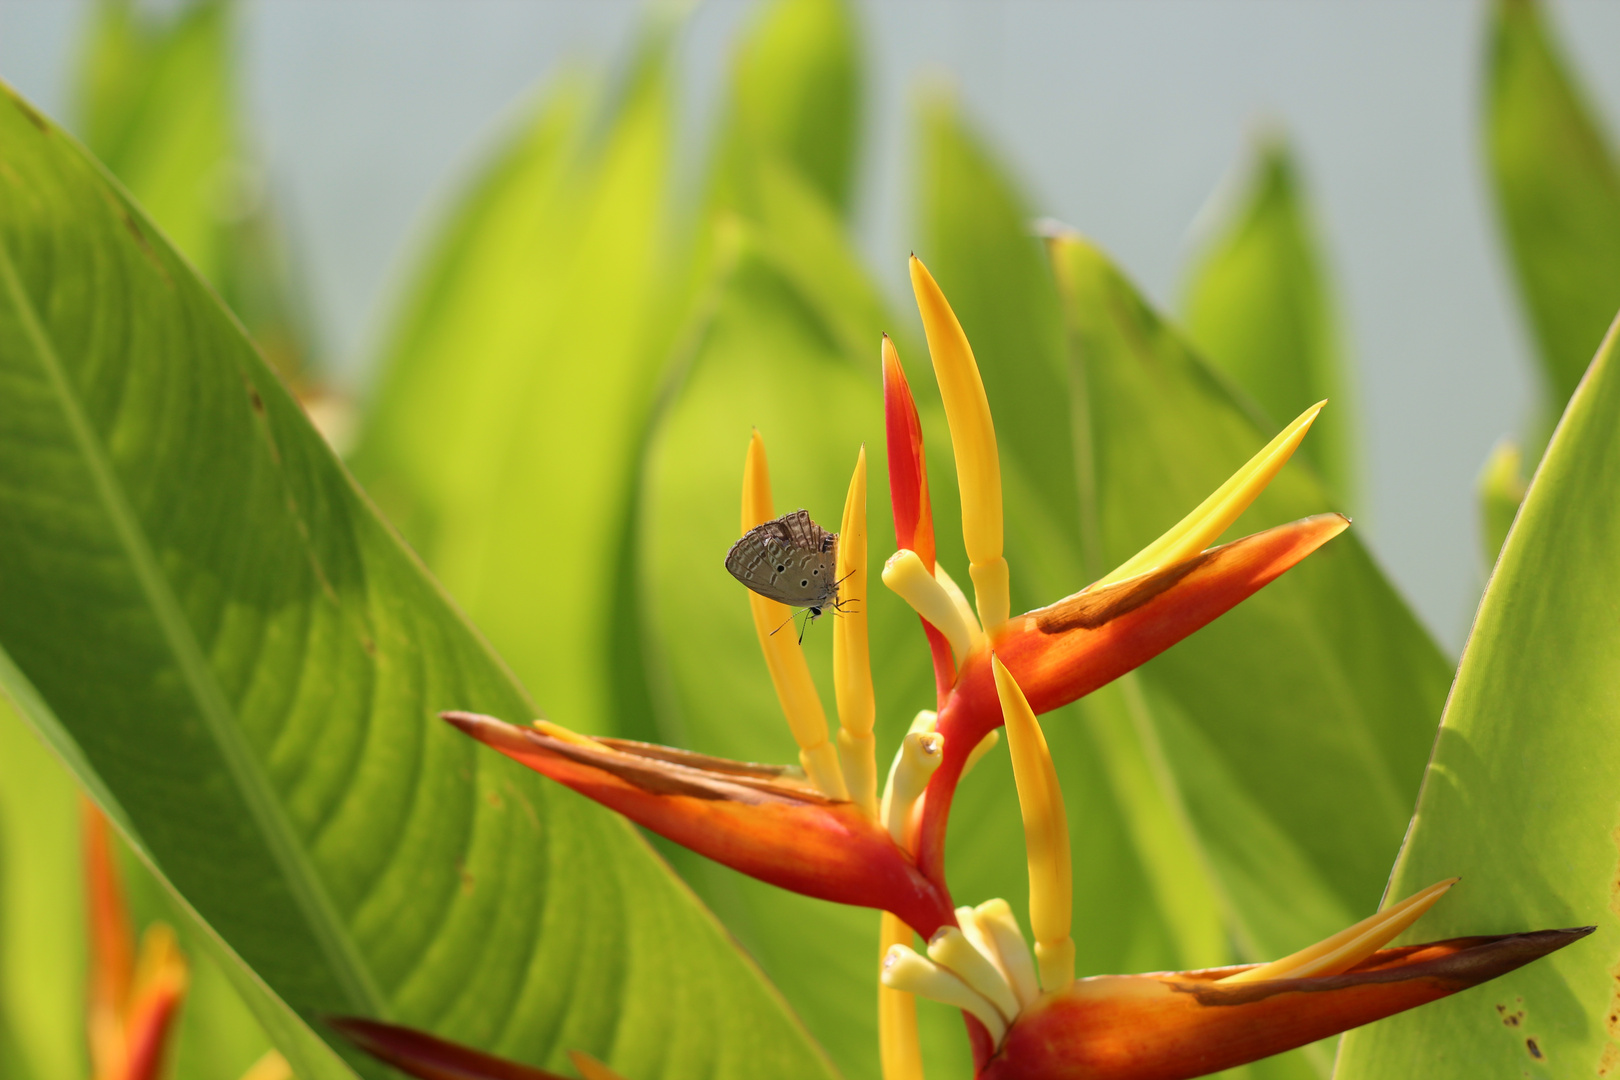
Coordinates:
466 878
1609 1062
256 400
1535 1049
494 799
369 645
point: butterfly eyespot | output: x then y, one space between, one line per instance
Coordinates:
815 572
803 583
780 569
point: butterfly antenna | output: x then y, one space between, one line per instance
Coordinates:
805 627
783 623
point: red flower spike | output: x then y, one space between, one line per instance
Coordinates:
1062 652
427 1057
133 1001
1182 1024
908 494
756 819
908 467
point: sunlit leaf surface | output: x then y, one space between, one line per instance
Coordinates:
243 664
533 341
1557 192
158 103
1521 797
1260 310
795 94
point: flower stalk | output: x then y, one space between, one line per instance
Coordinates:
1046 834
973 438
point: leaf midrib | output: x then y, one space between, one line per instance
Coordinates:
316 907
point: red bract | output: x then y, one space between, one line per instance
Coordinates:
1184 1024
752 818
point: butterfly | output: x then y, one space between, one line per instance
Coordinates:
791 560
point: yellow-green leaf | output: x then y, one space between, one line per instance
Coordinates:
1260 309
1557 193
1521 797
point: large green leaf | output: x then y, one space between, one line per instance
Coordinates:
1260 309
533 339
1292 732
158 103
1557 192
1520 799
795 94
242 663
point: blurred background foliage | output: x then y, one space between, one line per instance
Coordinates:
557 423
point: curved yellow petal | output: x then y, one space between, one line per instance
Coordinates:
1201 528
1046 834
973 442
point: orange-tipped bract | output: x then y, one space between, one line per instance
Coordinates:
757 819
1185 1024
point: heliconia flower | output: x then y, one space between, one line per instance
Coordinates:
823 829
133 998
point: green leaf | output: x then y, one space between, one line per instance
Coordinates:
796 94
1520 797
1290 733
1260 309
158 103
1557 193
534 338
978 244
242 663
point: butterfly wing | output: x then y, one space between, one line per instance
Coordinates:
791 560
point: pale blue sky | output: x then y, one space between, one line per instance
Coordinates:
1123 118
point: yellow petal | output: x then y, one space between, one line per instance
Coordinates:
790 675
1046 834
953 950
995 921
907 577
852 661
899 1048
1347 948
904 970
973 443
1199 529
272 1066
917 759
